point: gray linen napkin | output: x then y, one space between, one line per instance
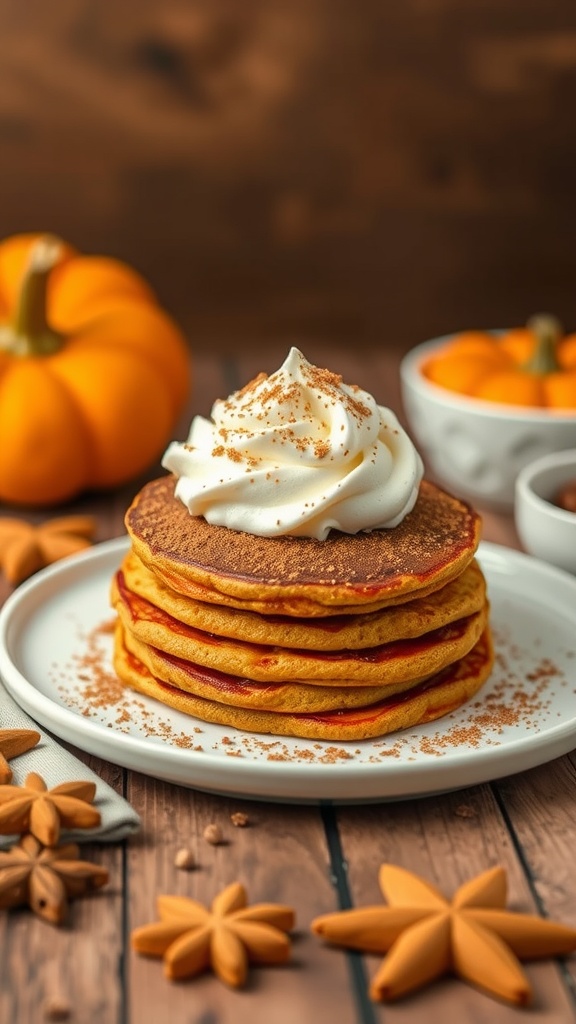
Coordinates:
56 764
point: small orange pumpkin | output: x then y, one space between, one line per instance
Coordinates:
93 373
530 366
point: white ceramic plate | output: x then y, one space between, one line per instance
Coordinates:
55 659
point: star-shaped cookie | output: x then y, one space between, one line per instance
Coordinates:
426 936
14 742
45 878
227 937
25 548
35 808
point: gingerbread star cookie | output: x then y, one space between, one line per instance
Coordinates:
227 937
35 808
14 742
46 878
425 936
25 548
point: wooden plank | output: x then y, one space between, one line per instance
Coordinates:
370 173
78 965
280 857
540 808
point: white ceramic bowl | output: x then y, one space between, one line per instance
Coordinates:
472 447
544 529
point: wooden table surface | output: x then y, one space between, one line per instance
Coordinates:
315 858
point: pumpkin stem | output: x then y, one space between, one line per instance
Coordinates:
30 334
547 331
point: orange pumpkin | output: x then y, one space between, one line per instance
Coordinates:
93 373
530 366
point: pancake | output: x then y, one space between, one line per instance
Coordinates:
299 575
285 605
245 693
395 662
425 702
457 599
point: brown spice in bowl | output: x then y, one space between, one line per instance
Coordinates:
565 497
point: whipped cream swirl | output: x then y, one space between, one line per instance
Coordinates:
297 453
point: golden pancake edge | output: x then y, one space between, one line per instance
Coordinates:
245 693
460 597
426 702
395 662
298 575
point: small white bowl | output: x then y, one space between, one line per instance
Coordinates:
544 529
473 447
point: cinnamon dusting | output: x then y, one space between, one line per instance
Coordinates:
516 697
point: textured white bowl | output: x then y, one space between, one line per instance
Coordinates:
476 448
546 531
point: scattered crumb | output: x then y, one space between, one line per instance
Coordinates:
184 859
465 811
213 834
56 1009
239 819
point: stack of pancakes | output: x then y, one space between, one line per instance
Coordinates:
342 639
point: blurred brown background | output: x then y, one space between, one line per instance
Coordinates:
355 172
